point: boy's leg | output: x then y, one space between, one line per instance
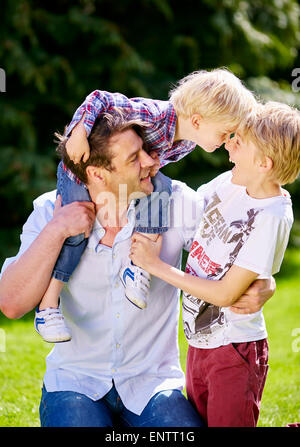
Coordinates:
196 386
151 220
236 375
51 297
49 321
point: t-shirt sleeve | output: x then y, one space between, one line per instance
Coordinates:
264 249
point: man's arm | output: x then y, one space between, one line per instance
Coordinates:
26 279
255 296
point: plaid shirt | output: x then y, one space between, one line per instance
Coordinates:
159 115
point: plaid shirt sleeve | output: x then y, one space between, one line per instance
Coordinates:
101 101
159 115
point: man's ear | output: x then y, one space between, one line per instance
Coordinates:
196 120
95 175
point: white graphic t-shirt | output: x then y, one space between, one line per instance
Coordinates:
235 229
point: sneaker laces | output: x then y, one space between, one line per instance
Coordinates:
142 279
52 316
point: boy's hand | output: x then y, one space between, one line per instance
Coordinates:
255 296
144 252
77 145
155 168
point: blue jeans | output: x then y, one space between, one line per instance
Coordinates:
70 409
152 211
74 246
151 217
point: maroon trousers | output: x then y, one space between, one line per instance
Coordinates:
225 384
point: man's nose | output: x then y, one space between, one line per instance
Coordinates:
145 159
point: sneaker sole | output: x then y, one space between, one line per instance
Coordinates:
49 340
57 341
135 303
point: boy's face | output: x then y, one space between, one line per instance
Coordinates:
211 134
245 155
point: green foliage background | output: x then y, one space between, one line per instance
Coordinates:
55 53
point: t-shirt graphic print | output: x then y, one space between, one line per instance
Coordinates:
200 317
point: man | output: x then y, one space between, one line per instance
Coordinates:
120 367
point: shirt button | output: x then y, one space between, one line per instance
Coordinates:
116 285
113 370
118 315
117 345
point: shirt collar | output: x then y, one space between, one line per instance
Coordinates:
98 231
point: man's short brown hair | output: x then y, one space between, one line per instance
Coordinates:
105 126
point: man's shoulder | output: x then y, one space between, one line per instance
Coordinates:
45 200
43 207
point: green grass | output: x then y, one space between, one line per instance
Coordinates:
22 359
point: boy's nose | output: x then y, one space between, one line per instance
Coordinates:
228 141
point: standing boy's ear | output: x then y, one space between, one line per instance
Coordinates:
266 164
196 120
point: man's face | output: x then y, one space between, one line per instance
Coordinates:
131 165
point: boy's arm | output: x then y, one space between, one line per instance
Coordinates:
95 104
223 292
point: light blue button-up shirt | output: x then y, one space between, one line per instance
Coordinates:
113 340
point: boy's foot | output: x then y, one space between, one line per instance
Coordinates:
51 326
137 283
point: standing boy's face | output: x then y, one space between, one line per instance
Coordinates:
211 134
245 155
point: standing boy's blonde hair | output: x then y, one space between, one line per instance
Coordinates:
217 95
275 130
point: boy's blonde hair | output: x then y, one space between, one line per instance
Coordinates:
275 130
217 95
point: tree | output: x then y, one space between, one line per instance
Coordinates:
55 54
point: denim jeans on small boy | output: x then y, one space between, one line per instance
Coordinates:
151 217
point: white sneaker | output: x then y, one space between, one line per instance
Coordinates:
137 283
50 324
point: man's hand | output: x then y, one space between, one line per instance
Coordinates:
77 145
255 296
75 218
155 168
